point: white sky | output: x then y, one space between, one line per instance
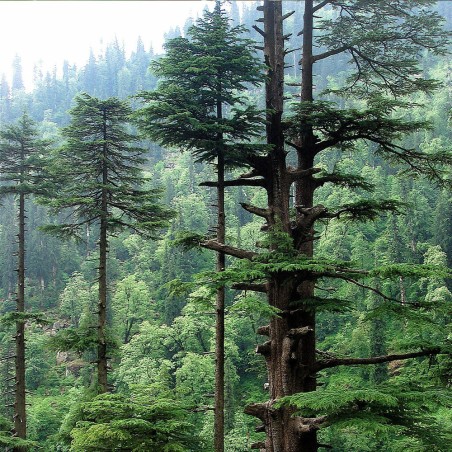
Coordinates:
51 31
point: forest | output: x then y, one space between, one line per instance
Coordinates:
242 243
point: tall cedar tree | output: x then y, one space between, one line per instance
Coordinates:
203 77
383 40
20 153
100 181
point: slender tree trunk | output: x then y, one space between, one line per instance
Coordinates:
20 421
220 302
102 303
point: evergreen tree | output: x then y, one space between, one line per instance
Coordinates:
383 42
20 152
18 82
5 100
99 179
203 75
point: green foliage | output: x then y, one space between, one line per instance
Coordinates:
100 161
21 158
387 410
382 123
383 43
7 440
201 74
188 240
133 423
12 317
253 304
366 209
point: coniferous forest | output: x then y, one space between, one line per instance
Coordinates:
243 243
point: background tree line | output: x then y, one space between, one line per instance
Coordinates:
163 338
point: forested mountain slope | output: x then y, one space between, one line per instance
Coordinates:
161 311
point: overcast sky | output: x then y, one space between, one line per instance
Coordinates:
52 31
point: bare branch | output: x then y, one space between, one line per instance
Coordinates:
249 286
296 174
229 250
320 5
264 330
259 30
334 362
264 213
236 183
295 333
307 424
285 16
258 410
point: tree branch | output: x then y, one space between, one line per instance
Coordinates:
322 56
249 286
296 333
357 283
321 5
236 183
307 424
296 174
334 362
260 31
258 410
229 250
264 213
285 16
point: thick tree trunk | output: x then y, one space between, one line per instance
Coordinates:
290 351
20 422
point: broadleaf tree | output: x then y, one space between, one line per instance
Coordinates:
99 178
383 40
199 106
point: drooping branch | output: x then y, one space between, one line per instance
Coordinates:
229 250
357 283
344 180
329 53
335 362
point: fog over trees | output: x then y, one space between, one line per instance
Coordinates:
239 243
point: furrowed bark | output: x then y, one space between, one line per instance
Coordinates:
290 350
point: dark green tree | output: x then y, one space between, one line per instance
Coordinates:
20 154
99 180
199 107
383 41
141 422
